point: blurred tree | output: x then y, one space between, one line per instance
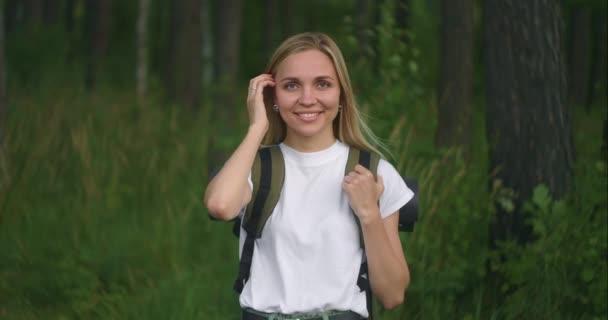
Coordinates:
207 46
402 19
528 123
69 16
141 72
271 26
456 75
227 43
50 11
579 56
376 25
184 67
363 29
600 57
70 5
2 75
11 9
97 37
288 21
34 12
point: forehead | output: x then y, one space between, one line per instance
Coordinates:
306 64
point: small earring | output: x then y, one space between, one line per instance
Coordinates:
275 108
340 108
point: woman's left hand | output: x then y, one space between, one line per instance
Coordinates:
363 192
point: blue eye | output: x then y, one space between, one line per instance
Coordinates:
324 84
291 85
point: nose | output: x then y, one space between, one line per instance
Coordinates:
307 97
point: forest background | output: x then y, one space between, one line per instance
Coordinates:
112 113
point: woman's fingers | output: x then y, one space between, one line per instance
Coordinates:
254 84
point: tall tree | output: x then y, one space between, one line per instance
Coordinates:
600 57
97 37
141 72
2 74
271 23
50 13
184 73
227 44
528 124
289 16
207 44
34 12
69 9
3 95
11 9
402 19
363 28
579 57
70 5
456 75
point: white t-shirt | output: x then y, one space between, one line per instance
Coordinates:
309 255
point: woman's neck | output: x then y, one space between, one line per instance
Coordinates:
309 144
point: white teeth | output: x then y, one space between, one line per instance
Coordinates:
308 115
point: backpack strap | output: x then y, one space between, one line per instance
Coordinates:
370 161
268 174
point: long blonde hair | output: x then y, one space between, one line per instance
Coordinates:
349 126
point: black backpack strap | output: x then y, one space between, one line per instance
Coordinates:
267 173
408 214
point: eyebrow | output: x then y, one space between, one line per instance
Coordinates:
316 78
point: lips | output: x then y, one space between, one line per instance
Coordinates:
308 116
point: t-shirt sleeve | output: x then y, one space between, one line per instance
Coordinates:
250 182
396 193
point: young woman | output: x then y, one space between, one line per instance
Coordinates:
305 264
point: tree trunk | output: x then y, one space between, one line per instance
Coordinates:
11 9
289 15
141 73
69 16
402 19
362 29
599 82
3 98
69 29
97 33
528 124
271 23
34 12
456 75
228 30
207 46
377 22
579 71
51 11
3 94
184 69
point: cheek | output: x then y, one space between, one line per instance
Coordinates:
284 99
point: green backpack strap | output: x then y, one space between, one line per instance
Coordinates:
268 175
370 161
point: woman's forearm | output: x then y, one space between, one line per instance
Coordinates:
388 271
229 191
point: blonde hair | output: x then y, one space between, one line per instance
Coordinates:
349 126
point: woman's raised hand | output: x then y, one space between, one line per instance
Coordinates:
255 101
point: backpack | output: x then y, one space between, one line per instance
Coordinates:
268 174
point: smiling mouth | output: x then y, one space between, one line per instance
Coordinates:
308 116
